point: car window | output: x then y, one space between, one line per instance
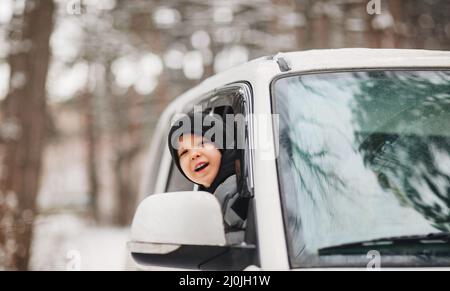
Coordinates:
363 156
177 181
154 167
227 100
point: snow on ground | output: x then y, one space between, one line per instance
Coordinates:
69 242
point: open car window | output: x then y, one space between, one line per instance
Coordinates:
177 181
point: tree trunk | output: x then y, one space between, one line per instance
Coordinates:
91 153
396 9
25 109
128 144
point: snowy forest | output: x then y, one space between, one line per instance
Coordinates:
83 83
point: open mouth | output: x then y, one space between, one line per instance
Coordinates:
201 167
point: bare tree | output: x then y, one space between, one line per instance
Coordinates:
25 110
91 148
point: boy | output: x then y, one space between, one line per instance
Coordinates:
207 162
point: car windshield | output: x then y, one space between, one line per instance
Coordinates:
362 156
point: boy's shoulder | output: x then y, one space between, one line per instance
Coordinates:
229 184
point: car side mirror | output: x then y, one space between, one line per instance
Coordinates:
185 230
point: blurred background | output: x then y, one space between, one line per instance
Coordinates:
82 84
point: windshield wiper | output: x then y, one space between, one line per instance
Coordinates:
418 244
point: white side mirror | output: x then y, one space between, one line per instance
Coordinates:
184 230
179 218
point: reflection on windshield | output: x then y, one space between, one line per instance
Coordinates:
363 156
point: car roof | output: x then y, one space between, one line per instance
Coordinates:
365 58
317 60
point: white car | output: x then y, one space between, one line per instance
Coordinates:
351 169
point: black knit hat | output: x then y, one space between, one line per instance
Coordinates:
200 123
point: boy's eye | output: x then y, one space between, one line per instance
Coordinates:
182 153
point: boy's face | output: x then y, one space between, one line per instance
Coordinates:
199 159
